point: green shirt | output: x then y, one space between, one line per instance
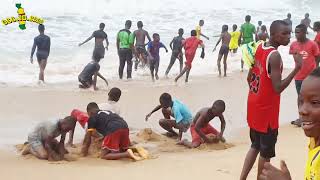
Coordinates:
247 30
126 39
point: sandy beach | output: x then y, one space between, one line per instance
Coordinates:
23 107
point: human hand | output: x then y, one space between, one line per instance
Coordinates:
298 60
207 38
107 48
166 50
106 82
80 44
270 172
31 60
214 49
147 116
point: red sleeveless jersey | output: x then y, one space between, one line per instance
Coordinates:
263 100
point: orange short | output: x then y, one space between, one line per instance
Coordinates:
206 130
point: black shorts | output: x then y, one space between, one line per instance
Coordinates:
41 55
141 50
224 50
264 142
98 53
85 83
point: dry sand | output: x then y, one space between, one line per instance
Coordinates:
22 107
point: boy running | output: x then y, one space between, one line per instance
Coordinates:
140 36
234 42
154 57
224 49
190 45
176 47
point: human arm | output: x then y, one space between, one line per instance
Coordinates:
62 150
171 43
162 45
270 172
89 38
202 51
48 147
220 38
94 81
204 36
71 134
33 50
275 63
249 76
148 37
199 123
118 43
223 126
157 108
100 76
107 42
86 143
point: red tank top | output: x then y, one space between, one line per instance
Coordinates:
263 101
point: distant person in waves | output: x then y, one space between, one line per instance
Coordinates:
99 49
225 37
42 43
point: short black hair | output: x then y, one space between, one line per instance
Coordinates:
180 31
155 35
165 98
302 27
275 25
140 24
69 120
315 73
114 94
102 25
263 27
225 28
41 28
92 106
128 23
316 25
201 21
220 104
248 18
234 26
193 33
289 15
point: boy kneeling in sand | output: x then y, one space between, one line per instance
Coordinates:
178 111
202 131
42 142
115 131
82 117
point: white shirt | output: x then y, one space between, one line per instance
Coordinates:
110 106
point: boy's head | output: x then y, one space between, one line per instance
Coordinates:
156 37
128 24
316 26
67 124
114 94
101 26
92 109
225 28
193 33
309 104
180 32
306 15
41 28
165 100
201 22
289 15
263 28
301 32
234 27
218 107
280 32
139 24
259 23
248 18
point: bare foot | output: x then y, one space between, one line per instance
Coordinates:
225 75
157 77
182 142
134 157
142 152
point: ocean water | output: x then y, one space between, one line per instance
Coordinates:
69 22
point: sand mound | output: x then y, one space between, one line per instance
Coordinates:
148 135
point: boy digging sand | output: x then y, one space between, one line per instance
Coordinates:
176 109
89 71
201 129
42 140
115 130
190 45
224 49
